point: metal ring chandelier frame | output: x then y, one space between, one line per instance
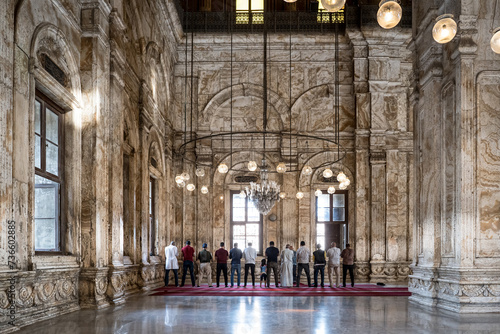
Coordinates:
339 150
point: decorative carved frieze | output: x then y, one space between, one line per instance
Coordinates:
454 289
389 271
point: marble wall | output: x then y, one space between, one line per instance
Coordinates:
376 129
456 263
419 123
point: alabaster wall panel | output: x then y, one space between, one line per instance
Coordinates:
246 116
488 171
448 220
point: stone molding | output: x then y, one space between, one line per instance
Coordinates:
40 295
470 291
382 271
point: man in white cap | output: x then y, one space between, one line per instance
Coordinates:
333 255
205 258
171 262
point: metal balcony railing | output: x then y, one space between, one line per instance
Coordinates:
319 21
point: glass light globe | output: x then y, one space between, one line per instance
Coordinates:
221 197
389 14
190 187
331 190
185 176
495 41
346 182
333 5
299 195
223 169
307 170
341 177
327 173
342 186
281 168
200 172
318 192
290 1
243 194
282 195
445 29
204 190
181 184
178 179
252 165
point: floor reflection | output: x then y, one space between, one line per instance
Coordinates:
144 314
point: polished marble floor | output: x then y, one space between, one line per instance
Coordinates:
146 314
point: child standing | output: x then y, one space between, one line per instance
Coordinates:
263 275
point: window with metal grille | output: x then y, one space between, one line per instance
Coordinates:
249 11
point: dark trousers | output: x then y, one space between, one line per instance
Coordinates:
294 273
222 267
167 271
304 266
346 267
250 267
319 269
274 267
185 266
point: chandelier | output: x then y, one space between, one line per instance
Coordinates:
263 195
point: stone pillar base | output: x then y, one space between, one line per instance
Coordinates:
131 278
116 289
151 276
457 290
93 284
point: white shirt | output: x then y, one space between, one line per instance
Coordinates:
333 255
171 254
249 255
303 254
287 256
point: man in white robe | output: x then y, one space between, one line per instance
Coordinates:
287 267
171 262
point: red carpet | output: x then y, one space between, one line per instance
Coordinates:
303 291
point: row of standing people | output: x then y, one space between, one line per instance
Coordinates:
291 261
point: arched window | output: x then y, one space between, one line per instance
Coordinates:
152 216
154 186
48 173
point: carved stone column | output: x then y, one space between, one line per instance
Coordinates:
378 214
362 145
94 180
